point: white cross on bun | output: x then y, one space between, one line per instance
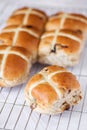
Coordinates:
71 21
24 36
15 64
52 90
61 48
63 40
29 17
60 44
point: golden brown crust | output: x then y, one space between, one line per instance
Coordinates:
71 21
40 92
78 15
15 63
27 37
52 90
51 69
65 80
71 14
75 25
36 18
34 79
21 50
25 8
1 57
31 28
68 45
68 41
63 40
15 66
77 33
44 91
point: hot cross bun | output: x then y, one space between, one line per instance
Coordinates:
24 36
15 64
29 17
52 90
71 21
61 47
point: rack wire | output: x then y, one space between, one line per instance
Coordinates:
14 112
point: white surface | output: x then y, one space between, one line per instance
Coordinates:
14 114
57 3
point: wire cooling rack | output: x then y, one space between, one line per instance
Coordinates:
16 115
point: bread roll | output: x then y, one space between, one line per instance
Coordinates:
29 17
61 47
67 21
15 64
52 90
23 36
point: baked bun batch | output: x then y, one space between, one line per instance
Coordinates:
63 39
23 30
31 36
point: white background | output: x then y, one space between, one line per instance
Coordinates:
57 3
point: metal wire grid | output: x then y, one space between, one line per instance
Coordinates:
16 115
